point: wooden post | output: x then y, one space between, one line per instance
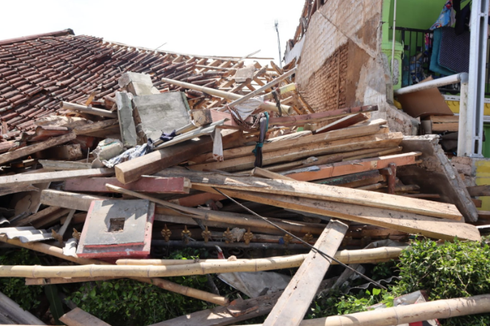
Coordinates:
296 298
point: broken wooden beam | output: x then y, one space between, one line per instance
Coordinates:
294 302
29 178
69 200
157 185
88 110
132 170
350 167
34 148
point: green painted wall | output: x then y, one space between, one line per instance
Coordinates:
420 14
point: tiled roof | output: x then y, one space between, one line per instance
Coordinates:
38 72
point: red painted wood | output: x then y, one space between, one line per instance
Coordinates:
157 185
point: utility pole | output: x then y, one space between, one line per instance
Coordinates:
276 24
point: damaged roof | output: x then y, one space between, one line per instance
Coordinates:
38 72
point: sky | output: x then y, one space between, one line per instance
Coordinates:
206 27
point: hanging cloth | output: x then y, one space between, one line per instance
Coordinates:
447 16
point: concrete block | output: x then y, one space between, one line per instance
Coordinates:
126 121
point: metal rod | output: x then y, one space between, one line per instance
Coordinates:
453 79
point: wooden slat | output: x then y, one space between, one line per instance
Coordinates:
158 185
304 151
31 149
321 192
279 143
404 222
69 200
52 176
356 166
343 123
294 302
479 190
78 317
445 126
444 118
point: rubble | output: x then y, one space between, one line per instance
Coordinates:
175 152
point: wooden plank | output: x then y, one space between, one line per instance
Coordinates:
304 151
279 143
98 129
444 118
238 310
53 176
259 172
132 170
343 123
34 148
436 175
356 166
445 126
36 217
78 317
80 202
319 116
197 199
17 188
64 165
291 307
323 192
158 185
17 315
476 191
404 222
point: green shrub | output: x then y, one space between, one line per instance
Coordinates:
449 270
128 302
28 297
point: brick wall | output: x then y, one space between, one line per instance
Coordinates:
342 65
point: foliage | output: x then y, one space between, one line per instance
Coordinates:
336 303
128 302
449 270
27 297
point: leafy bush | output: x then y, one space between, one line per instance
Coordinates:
128 302
449 270
28 297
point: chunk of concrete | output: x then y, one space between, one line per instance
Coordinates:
159 113
137 84
126 121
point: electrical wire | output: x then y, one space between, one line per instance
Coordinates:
323 254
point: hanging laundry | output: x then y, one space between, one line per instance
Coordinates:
447 16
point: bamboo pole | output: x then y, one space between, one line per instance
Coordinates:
361 256
402 315
196 268
163 284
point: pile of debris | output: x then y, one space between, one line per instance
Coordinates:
170 170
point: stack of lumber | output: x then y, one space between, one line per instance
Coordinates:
336 180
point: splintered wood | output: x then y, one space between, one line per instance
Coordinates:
228 177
